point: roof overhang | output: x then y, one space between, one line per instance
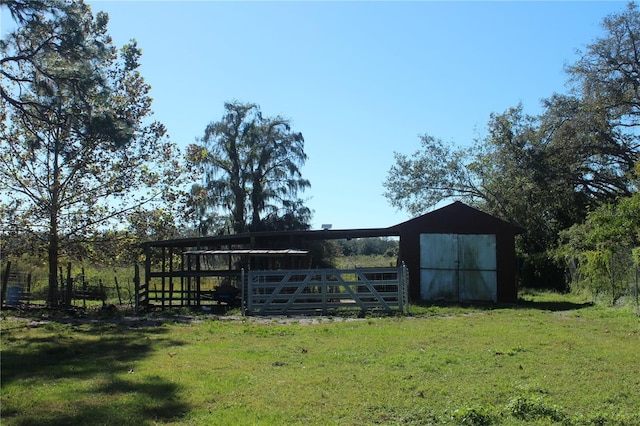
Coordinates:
250 252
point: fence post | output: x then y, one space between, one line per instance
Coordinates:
5 281
405 288
242 302
28 294
636 268
115 278
103 293
59 291
69 290
136 282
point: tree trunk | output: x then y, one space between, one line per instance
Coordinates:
52 298
54 239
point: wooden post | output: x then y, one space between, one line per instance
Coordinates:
115 278
69 291
147 275
636 286
188 282
103 293
84 290
198 268
28 294
613 280
243 306
136 281
57 298
5 281
164 271
182 276
170 276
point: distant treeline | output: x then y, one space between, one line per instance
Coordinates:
369 246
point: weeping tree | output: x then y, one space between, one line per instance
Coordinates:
252 177
77 148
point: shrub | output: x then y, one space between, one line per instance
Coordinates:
534 408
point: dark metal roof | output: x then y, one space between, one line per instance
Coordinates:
458 218
246 238
453 218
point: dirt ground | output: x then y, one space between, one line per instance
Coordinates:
124 316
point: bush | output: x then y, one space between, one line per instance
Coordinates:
530 408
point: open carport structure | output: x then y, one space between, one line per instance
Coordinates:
456 254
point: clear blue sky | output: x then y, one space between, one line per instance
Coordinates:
360 80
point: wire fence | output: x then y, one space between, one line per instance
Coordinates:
614 276
21 288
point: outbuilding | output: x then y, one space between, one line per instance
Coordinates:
453 254
459 254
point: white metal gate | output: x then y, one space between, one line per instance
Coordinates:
458 267
324 291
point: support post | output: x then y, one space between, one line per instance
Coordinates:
164 272
198 281
170 276
147 275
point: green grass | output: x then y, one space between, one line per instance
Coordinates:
552 360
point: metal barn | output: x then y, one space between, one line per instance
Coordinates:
456 253
459 254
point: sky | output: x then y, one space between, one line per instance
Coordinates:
360 80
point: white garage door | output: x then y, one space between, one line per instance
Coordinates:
456 267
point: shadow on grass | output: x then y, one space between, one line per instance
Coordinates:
89 375
560 305
546 305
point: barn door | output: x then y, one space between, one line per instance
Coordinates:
455 267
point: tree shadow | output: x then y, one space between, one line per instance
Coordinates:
71 358
553 306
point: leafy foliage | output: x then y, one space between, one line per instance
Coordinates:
77 150
543 172
251 167
368 247
601 253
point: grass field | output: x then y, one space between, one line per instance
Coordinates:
551 360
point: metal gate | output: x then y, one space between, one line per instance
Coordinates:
326 291
458 267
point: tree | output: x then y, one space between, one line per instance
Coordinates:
607 75
543 172
601 252
77 151
252 171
